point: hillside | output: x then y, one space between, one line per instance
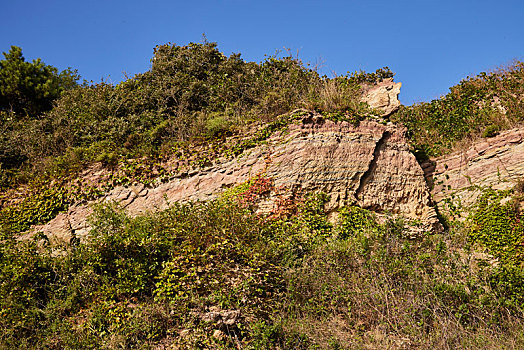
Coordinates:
216 203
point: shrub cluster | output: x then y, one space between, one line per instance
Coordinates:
191 93
294 281
499 226
480 105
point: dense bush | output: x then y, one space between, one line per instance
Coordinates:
189 89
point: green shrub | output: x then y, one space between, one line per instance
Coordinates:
355 221
491 131
485 104
273 336
216 126
107 159
498 227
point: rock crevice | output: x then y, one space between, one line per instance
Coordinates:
364 179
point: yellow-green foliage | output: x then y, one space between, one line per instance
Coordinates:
355 221
40 207
499 227
297 280
480 105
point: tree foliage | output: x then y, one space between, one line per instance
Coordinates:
29 88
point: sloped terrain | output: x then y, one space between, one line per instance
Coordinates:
188 208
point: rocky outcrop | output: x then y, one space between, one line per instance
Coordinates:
497 162
383 96
369 164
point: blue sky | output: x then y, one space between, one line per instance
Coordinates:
431 45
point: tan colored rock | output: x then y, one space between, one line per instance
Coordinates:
496 162
383 96
370 165
220 317
218 334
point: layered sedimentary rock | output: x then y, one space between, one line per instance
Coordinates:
497 162
369 164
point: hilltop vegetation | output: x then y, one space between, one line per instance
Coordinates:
191 93
482 105
220 274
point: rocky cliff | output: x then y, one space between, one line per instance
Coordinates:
496 162
369 164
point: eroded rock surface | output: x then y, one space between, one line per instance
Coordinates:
496 162
383 96
369 165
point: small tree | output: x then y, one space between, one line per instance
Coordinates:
29 88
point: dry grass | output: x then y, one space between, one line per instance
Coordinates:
404 300
333 95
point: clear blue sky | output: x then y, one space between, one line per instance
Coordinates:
430 44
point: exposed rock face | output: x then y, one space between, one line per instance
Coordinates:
496 162
369 165
383 96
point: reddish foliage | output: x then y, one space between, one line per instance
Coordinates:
261 186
